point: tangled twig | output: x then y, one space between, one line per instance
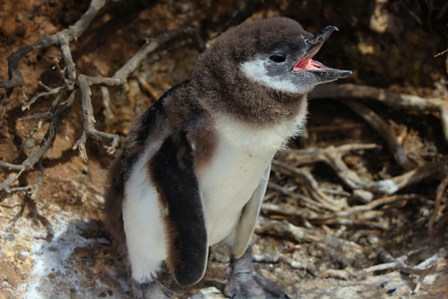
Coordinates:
61 38
332 156
358 215
45 145
84 82
72 83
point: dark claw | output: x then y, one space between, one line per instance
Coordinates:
270 287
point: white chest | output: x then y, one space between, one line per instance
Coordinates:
226 185
241 157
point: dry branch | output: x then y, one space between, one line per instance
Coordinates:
359 215
119 78
278 257
71 83
387 97
300 234
306 201
379 125
392 99
45 145
391 186
61 38
421 270
49 92
332 156
310 183
66 35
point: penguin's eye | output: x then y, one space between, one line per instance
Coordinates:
277 57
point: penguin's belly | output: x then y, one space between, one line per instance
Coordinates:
227 182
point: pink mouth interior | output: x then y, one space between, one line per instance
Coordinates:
306 64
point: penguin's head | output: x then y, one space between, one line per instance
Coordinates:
276 53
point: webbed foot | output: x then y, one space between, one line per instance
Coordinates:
244 282
153 290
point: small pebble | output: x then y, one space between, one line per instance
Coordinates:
265 258
22 255
5 285
432 148
221 258
373 239
430 279
424 212
208 293
85 170
29 143
363 196
10 238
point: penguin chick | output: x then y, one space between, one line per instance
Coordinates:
195 166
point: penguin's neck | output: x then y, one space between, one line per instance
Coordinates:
259 138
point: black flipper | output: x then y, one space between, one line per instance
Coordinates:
143 128
172 171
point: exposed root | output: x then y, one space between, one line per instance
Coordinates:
394 100
376 122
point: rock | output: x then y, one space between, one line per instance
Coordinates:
362 195
208 293
373 239
5 285
85 170
10 238
22 255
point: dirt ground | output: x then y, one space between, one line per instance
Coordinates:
53 242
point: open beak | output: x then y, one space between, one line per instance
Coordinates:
306 63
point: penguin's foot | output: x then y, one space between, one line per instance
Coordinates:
153 290
244 282
251 285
